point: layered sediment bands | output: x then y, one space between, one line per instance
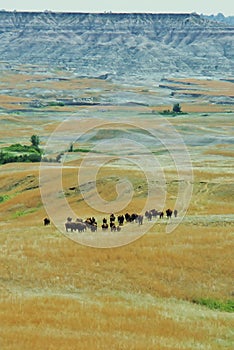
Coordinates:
119 44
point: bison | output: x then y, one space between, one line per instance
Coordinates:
127 217
154 213
93 227
148 215
169 213
46 221
133 217
91 223
112 226
73 226
112 217
161 214
140 219
120 220
105 226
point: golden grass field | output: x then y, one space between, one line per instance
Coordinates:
58 294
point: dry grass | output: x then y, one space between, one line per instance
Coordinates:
59 293
217 152
207 87
205 108
199 89
108 323
96 87
197 107
35 257
9 99
56 294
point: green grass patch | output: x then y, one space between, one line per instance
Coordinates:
226 305
20 153
160 152
4 198
25 212
171 113
83 150
55 104
13 158
21 148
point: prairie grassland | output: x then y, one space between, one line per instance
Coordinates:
201 107
210 87
198 107
9 99
110 322
56 294
218 152
66 83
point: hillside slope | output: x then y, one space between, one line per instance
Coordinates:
143 45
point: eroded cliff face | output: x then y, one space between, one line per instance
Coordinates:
142 45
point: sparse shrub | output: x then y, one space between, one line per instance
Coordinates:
22 153
35 140
55 104
70 148
58 157
165 111
34 157
84 150
176 108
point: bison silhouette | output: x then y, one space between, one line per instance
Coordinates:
169 213
46 221
73 226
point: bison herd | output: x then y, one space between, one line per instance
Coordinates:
114 223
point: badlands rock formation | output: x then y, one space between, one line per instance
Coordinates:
142 45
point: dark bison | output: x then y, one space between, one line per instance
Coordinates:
169 213
154 213
120 220
69 226
93 227
127 217
148 215
80 226
161 214
112 218
133 217
175 213
105 226
73 226
112 226
46 221
140 219
91 223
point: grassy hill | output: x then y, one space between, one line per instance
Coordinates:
158 292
